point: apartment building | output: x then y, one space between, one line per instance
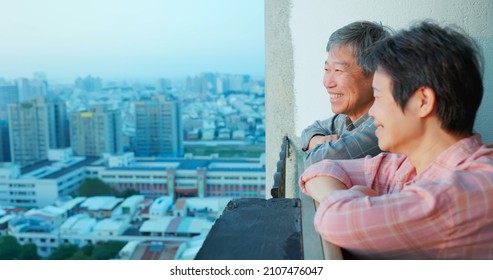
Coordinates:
35 126
96 131
158 127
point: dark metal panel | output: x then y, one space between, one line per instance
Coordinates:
256 229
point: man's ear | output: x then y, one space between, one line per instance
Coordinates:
426 100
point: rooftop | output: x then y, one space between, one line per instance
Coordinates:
215 164
47 169
101 203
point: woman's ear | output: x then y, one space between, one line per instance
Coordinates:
426 99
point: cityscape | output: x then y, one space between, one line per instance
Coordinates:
125 169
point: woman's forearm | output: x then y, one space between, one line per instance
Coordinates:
321 186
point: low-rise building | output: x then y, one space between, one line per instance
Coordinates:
79 224
110 227
200 207
187 176
100 207
43 183
149 250
52 215
188 250
176 227
46 182
129 208
160 207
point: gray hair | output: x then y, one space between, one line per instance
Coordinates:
359 36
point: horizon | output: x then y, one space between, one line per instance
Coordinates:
142 79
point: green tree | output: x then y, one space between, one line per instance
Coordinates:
29 251
79 255
83 253
64 252
9 248
87 249
107 250
94 187
126 193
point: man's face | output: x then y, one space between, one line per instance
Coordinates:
397 130
350 90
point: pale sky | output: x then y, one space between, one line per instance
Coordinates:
130 38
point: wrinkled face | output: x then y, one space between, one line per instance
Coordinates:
349 89
397 131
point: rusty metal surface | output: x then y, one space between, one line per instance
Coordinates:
279 188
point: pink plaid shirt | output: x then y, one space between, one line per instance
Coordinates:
446 212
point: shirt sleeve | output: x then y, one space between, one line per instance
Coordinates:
408 220
377 172
339 170
317 128
404 216
354 144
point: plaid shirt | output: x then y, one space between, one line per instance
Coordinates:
356 140
445 212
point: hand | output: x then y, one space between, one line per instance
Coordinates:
320 139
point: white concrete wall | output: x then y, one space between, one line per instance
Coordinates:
313 21
279 94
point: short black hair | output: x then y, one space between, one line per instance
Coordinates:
359 36
444 59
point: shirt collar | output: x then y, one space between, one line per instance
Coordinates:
352 125
460 151
448 159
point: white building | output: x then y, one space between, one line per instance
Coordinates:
188 250
43 183
46 182
78 225
110 227
100 207
160 207
55 216
204 207
9 171
187 176
176 227
128 207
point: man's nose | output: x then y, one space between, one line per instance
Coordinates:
329 81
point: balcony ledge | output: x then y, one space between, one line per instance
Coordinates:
256 229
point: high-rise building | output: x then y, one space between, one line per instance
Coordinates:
239 83
35 126
29 89
163 85
158 128
90 84
208 82
8 94
58 119
96 131
5 142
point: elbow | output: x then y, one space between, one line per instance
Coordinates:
314 155
307 158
